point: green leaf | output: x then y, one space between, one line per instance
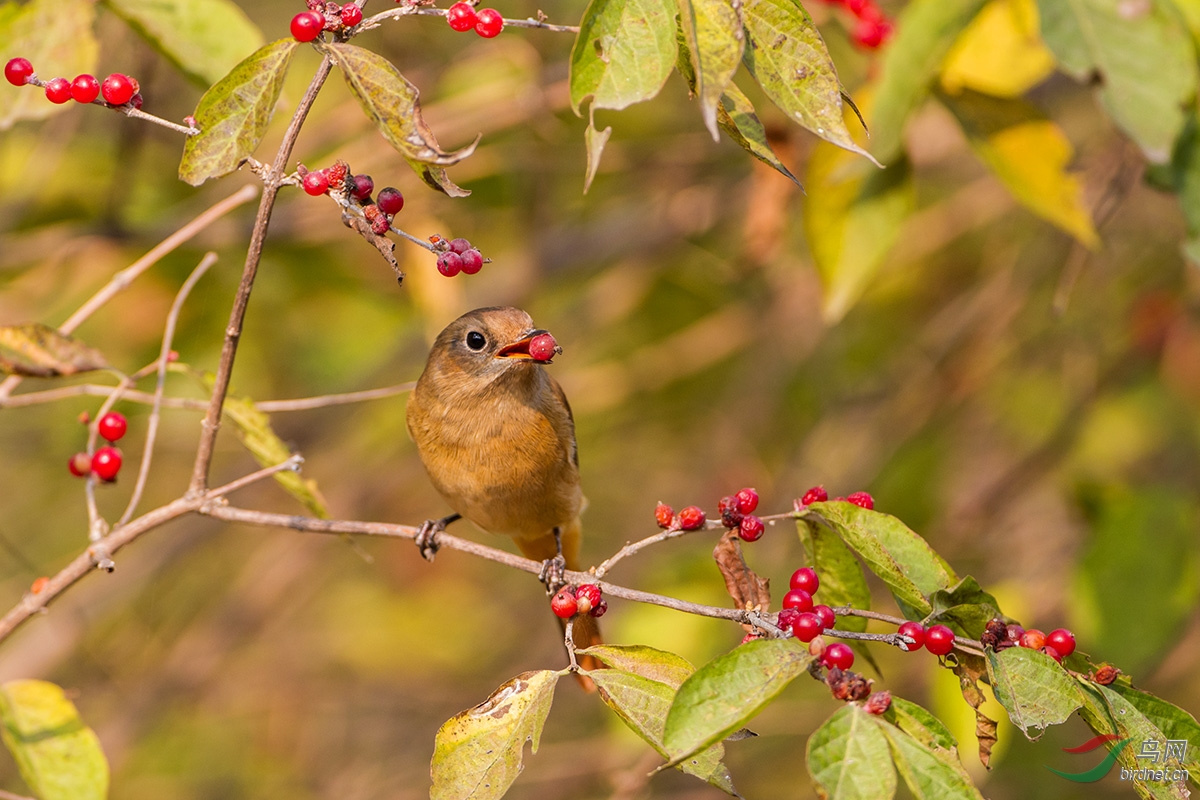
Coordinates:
929 776
642 704
848 757
1033 688
724 694
391 102
477 754
233 115
842 580
1030 155
966 607
203 38
925 32
1142 57
905 561
852 217
921 725
1107 712
39 351
786 55
1184 174
737 117
1000 53
57 37
712 30
649 662
1151 534
624 52
1173 721
58 756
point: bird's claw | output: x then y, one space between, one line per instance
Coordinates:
427 537
552 572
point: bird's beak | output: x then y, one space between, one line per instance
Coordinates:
520 348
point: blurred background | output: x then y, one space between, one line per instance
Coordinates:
1029 406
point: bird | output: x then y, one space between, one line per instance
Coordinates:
496 436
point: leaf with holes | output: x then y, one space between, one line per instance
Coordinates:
233 115
477 754
1033 688
623 54
39 351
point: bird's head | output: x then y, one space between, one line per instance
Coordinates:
489 342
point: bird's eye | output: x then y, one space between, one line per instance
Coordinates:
475 340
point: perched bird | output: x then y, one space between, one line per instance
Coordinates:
496 436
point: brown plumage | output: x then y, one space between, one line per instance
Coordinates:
496 436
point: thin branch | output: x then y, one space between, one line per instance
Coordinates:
323 401
662 536
129 111
237 315
126 276
528 22
164 357
291 464
962 642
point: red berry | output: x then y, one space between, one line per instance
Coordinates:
838 655
390 201
488 23
826 615
1053 653
337 174
663 514
786 618
600 609
351 15
380 225
106 463
112 426
805 578
807 626
472 261
746 501
939 640
587 596
541 347
118 89
857 7
307 25
17 71
1061 640
315 183
817 494
727 508
459 245
915 631
1015 632
751 529
563 604
871 33
1033 639
79 465
363 185
461 17
691 518
58 90
85 88
798 598
861 499
449 264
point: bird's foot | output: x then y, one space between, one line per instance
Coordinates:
426 538
552 573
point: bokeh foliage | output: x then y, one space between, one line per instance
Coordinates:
998 336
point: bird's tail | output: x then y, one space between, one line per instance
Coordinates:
585 630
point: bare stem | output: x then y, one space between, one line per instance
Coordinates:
323 401
126 276
630 549
164 356
233 332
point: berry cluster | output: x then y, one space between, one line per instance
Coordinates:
308 25
460 256
691 518
1058 644
817 494
117 89
486 22
105 463
584 599
872 28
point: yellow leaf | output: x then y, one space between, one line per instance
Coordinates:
1001 52
1030 155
